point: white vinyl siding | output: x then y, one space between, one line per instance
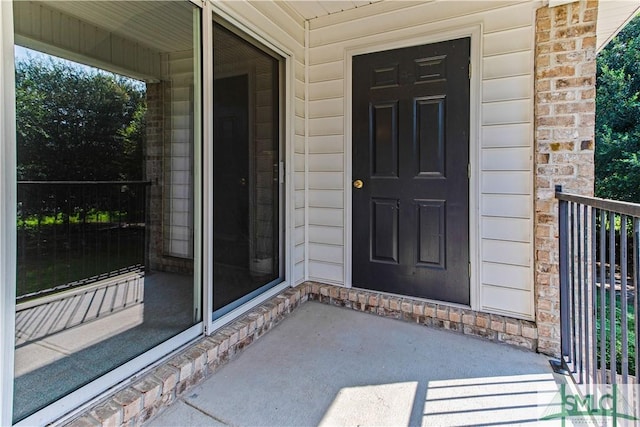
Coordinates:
276 23
504 282
178 188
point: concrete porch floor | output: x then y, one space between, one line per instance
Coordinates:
325 365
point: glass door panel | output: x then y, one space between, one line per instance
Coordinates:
106 143
246 158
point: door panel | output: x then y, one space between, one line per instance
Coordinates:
411 150
384 147
430 136
384 231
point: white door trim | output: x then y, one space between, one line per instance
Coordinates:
475 33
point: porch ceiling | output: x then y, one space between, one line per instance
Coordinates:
311 9
136 19
613 15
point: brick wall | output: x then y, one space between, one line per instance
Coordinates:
565 77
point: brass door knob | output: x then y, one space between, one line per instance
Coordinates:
358 184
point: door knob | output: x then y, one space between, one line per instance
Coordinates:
358 184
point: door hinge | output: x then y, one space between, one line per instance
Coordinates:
469 170
469 270
469 70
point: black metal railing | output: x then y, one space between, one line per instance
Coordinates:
599 273
72 233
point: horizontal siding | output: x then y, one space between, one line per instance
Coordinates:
510 64
508 229
506 182
516 16
505 162
505 112
330 107
326 72
326 180
326 162
506 252
326 144
326 89
512 302
326 126
326 235
506 206
326 199
507 276
298 254
508 41
507 88
298 236
502 136
298 217
332 217
506 159
326 253
326 272
298 273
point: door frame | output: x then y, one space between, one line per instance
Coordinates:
475 102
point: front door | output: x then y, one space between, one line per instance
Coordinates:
410 171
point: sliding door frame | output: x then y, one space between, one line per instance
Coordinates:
286 101
76 402
8 230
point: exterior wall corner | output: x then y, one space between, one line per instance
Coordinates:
565 78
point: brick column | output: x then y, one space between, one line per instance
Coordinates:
565 77
154 156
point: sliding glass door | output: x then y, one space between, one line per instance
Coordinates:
247 189
108 139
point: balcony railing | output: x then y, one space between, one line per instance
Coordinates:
599 274
76 233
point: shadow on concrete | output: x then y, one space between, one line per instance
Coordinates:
326 365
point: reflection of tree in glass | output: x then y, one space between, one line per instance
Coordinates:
77 124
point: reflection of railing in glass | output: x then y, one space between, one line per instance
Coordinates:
72 233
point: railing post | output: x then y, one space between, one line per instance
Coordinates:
565 317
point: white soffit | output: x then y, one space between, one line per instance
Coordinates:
311 9
613 15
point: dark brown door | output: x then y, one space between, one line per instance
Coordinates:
411 152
